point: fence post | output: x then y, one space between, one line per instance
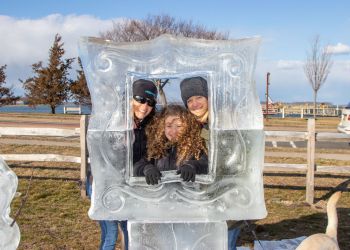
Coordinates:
310 174
83 154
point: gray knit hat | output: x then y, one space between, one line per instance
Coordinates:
193 86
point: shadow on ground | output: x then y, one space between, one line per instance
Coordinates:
303 226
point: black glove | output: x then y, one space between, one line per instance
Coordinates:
188 172
152 174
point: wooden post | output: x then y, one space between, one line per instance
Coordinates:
310 174
83 154
283 112
302 113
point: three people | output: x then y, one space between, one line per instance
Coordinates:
174 143
175 139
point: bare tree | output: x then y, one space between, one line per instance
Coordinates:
50 85
133 30
6 94
317 67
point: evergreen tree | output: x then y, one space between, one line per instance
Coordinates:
50 85
6 94
79 88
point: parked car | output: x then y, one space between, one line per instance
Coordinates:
344 125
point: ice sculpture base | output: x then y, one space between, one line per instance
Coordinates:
196 236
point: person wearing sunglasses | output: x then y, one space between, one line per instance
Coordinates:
143 105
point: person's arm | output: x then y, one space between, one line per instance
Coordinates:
148 169
139 166
200 165
192 167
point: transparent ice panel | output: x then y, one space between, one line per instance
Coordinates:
233 188
173 236
9 235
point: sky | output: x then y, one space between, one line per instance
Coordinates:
287 28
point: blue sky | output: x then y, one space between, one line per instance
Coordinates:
287 28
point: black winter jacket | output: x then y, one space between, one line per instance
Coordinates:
140 140
169 163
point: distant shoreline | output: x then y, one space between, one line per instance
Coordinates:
25 108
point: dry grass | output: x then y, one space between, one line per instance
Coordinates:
55 216
327 123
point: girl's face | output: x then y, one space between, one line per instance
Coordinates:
173 127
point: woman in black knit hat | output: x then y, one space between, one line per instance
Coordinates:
143 105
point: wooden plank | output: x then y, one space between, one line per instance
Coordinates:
333 169
310 174
40 157
326 136
83 154
39 131
283 167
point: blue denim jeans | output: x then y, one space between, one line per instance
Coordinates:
109 234
109 228
233 234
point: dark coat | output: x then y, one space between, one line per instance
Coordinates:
140 140
168 162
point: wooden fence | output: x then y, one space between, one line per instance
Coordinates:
281 136
288 111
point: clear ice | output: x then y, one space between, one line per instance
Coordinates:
233 188
173 236
9 235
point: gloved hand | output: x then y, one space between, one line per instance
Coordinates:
152 174
188 172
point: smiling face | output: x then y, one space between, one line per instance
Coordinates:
141 110
197 105
173 128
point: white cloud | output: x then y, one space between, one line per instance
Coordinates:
339 48
27 41
288 64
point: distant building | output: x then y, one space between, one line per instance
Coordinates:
21 101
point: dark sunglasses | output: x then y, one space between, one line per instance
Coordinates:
142 100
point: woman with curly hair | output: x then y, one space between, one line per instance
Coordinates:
174 143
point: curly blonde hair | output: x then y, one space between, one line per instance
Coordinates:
189 143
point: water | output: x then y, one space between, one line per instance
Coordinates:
85 110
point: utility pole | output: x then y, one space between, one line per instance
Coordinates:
267 95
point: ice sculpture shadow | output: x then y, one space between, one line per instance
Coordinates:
9 235
233 188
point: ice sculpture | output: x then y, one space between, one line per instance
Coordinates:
9 235
233 188
195 236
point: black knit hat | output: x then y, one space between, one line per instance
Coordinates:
144 88
193 86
